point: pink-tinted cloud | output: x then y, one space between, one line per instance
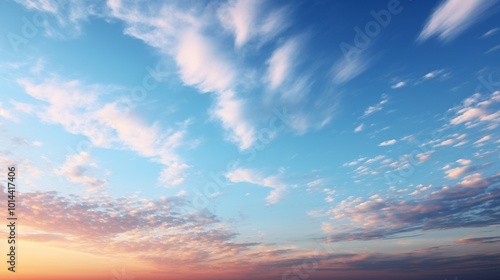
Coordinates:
158 230
471 202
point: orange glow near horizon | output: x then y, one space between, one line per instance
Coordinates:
52 261
40 260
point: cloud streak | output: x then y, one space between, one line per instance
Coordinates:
452 17
281 63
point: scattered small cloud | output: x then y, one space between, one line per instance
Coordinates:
388 143
37 143
359 128
457 172
424 156
398 85
6 114
464 161
475 180
446 142
377 107
432 74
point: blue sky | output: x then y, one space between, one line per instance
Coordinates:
266 126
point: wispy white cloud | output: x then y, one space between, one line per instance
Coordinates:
491 32
388 142
38 66
446 142
203 59
194 54
199 59
239 17
359 128
243 175
76 169
432 74
68 15
22 107
282 62
148 141
377 107
231 111
45 6
204 67
345 69
252 19
495 48
6 114
173 175
452 17
421 189
483 139
314 184
464 161
37 143
79 109
399 85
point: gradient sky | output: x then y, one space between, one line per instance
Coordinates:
252 139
